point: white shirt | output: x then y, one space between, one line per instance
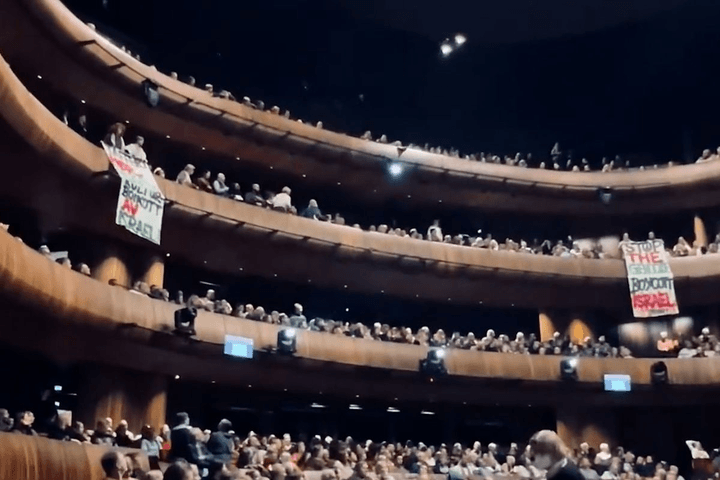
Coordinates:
136 151
282 200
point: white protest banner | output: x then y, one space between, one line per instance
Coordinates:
140 202
652 289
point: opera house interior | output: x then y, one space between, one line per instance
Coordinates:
375 240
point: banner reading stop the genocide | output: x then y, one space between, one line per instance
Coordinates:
652 290
140 202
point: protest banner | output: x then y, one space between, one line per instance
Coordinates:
140 202
652 289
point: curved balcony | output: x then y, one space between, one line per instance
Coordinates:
75 305
81 62
228 236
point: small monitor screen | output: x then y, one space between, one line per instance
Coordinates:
617 383
238 346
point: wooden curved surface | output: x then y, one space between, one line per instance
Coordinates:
76 300
79 60
24 457
299 248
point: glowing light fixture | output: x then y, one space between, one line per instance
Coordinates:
460 39
395 169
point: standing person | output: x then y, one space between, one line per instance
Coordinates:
548 452
114 137
221 443
182 440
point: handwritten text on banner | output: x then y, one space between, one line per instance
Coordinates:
652 290
140 202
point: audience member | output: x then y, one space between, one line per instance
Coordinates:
136 150
185 176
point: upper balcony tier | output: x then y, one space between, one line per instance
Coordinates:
231 237
46 38
82 319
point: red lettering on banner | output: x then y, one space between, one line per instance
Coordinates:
122 165
652 301
653 257
130 207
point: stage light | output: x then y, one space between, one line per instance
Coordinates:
434 364
393 410
568 369
605 194
395 169
460 39
354 407
185 321
659 373
445 48
152 96
426 412
287 341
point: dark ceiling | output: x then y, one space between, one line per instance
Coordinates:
636 78
507 21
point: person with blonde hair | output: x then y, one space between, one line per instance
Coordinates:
548 452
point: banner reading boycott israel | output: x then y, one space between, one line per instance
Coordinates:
140 202
652 290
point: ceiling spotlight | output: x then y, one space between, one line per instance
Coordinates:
446 48
287 341
434 364
659 373
460 39
568 369
395 169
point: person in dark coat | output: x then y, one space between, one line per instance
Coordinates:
221 443
182 440
548 452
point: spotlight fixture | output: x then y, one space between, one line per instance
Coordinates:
568 369
446 48
605 194
434 364
659 373
185 321
460 39
152 96
395 169
287 341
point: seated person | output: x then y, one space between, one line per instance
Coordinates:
24 423
136 150
185 176
114 464
705 157
114 137
219 186
103 434
254 197
434 233
298 320
313 211
282 201
203 182
666 344
682 248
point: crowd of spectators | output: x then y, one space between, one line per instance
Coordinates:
283 202
194 453
558 159
704 345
